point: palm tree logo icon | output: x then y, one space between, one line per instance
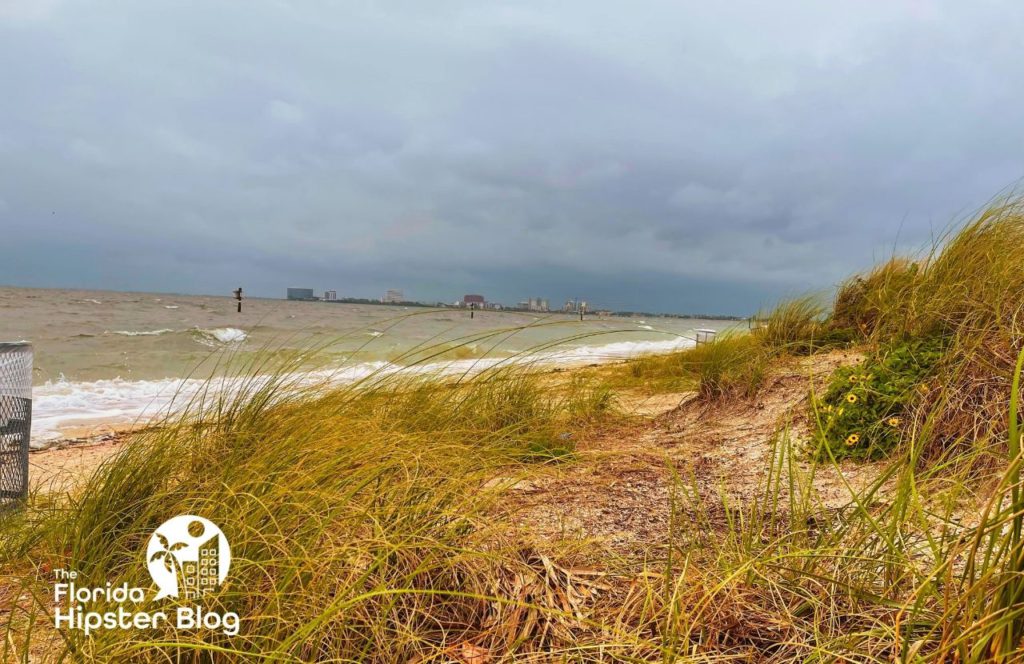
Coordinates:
168 553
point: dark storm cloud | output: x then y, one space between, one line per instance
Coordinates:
660 155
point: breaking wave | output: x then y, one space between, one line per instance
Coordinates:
142 333
60 404
220 336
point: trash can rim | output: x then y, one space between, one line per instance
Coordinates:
7 345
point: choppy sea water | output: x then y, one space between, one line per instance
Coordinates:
105 357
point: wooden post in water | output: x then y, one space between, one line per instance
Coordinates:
238 296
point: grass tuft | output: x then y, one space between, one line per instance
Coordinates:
968 289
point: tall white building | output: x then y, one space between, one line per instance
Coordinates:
537 304
575 306
330 295
393 296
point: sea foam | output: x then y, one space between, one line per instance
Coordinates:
142 333
60 405
220 336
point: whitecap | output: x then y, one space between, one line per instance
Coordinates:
220 336
142 333
59 405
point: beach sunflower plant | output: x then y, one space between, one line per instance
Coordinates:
865 409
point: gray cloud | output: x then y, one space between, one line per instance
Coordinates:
662 156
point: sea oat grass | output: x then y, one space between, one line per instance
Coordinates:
968 289
737 362
794 326
361 526
354 514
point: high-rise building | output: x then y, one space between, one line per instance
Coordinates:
393 296
574 306
330 295
200 576
537 304
301 294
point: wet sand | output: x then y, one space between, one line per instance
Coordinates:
70 461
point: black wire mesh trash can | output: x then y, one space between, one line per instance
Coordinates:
15 420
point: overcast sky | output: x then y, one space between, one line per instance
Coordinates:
675 156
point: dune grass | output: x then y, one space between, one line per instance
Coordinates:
365 526
967 289
737 362
356 514
734 363
965 294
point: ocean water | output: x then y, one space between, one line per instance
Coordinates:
105 357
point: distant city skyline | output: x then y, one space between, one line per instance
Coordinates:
479 302
512 298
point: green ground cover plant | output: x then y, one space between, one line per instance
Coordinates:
866 408
968 287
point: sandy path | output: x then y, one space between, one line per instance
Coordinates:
624 487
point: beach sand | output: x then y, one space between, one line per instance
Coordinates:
71 460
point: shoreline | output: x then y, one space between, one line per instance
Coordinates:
78 436
122 404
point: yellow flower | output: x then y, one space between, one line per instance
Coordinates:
922 388
893 421
853 378
851 397
828 408
840 411
852 439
